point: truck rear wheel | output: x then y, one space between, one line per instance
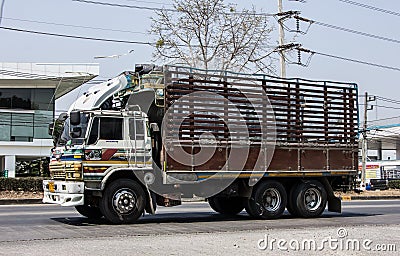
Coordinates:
291 209
268 200
90 212
123 201
227 205
291 202
309 199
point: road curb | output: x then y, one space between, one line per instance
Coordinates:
349 198
20 201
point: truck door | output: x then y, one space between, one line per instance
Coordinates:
105 139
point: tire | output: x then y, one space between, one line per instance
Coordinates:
309 199
290 208
291 203
227 205
268 200
123 201
90 212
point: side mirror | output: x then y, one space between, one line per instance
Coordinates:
50 129
62 117
75 117
76 132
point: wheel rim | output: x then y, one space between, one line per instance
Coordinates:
312 199
124 201
271 199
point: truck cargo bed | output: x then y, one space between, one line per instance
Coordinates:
282 126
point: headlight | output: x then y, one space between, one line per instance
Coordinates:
160 93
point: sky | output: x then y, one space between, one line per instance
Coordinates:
134 24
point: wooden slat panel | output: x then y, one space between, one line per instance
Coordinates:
323 112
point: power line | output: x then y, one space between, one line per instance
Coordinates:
298 18
370 7
76 26
166 9
126 6
388 100
355 32
289 14
383 119
381 106
76 37
152 8
154 44
350 60
148 2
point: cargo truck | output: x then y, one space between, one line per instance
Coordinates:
155 135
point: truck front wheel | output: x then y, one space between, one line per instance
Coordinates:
123 201
90 212
227 205
309 199
267 201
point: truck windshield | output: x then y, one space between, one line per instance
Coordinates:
64 136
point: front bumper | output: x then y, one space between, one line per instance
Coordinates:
64 193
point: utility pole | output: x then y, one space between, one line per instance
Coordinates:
281 41
364 144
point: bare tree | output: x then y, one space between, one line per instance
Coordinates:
212 35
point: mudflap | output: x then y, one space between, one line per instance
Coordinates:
334 203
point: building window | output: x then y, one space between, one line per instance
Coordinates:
24 126
19 126
27 98
5 126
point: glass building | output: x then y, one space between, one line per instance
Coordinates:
27 105
25 113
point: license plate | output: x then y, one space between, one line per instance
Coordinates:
51 187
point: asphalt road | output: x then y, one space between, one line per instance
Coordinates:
51 225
